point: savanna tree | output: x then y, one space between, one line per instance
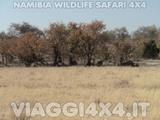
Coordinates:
74 39
20 29
91 41
30 49
5 44
56 36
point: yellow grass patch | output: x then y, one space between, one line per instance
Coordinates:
80 84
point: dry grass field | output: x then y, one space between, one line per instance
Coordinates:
80 84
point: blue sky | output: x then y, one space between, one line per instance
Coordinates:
130 18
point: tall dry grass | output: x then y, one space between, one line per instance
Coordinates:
80 84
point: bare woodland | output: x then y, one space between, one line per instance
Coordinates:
72 44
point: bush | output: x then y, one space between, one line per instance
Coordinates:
151 51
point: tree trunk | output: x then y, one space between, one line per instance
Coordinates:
89 60
72 60
3 59
55 56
